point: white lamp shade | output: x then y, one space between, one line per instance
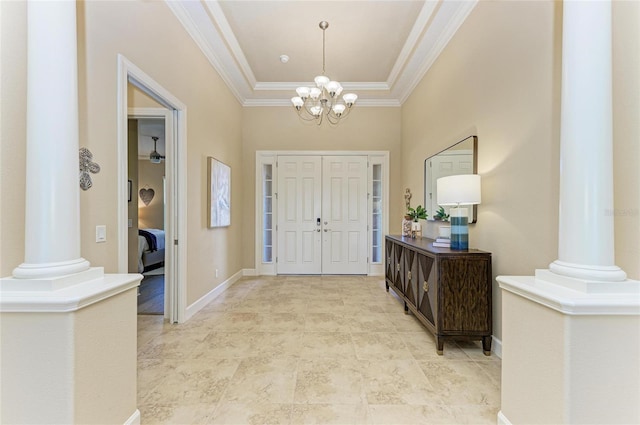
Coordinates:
316 111
315 93
463 189
338 109
303 92
321 80
350 98
297 101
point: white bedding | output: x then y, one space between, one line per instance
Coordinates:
143 246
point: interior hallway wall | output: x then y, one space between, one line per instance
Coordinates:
149 35
499 78
279 128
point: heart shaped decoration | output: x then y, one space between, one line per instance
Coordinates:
147 195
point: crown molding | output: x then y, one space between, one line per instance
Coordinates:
367 103
239 88
413 39
434 49
435 26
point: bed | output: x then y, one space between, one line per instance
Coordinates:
151 246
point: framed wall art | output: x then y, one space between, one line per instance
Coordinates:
219 193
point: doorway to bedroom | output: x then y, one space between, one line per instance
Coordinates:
147 214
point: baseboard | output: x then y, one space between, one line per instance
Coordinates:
496 347
502 419
249 272
134 419
211 295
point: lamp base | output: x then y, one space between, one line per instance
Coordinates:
459 229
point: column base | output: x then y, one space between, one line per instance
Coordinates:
588 273
570 350
50 270
69 353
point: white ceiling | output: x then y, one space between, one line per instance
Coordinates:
147 129
378 49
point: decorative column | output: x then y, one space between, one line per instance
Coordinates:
68 331
52 210
585 240
571 334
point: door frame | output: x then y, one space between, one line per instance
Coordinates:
175 172
271 157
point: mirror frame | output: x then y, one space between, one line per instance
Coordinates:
427 200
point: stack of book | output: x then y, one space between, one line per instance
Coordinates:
441 242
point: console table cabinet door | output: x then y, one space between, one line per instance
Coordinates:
464 296
427 289
390 268
411 267
398 282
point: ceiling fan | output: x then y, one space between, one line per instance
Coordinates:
154 156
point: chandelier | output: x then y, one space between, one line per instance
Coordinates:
315 103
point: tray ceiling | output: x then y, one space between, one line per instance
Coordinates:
378 49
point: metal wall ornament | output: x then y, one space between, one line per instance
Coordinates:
87 166
146 194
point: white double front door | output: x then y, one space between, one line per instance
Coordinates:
322 215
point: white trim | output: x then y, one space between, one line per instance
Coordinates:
413 39
434 49
211 295
134 419
212 46
621 298
496 347
89 290
502 419
250 272
230 40
176 167
382 103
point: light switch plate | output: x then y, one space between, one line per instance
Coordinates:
101 233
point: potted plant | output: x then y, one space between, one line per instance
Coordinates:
415 214
441 215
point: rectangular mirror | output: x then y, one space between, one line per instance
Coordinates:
460 158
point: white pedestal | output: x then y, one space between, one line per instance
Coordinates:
69 349
570 350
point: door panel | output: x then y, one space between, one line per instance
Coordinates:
344 208
299 195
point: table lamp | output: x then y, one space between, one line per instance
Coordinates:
463 189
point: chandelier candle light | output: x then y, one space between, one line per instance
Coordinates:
459 190
314 103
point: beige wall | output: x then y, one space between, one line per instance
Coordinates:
499 78
13 133
626 134
279 128
150 177
150 36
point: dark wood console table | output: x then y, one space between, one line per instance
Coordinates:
448 291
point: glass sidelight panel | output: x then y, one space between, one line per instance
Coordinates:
376 214
267 213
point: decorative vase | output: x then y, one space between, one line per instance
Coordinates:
406 226
416 230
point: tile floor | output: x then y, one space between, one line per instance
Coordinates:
309 350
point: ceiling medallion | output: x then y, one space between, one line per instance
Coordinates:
315 103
